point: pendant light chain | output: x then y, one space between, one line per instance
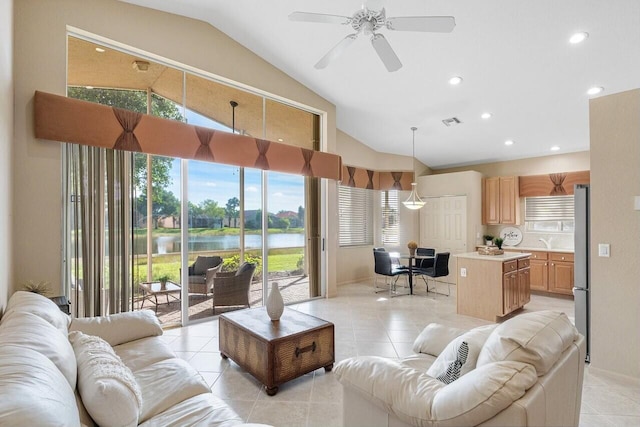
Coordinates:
414 201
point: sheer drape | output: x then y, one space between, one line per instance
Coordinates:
98 242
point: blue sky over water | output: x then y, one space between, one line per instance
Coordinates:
221 182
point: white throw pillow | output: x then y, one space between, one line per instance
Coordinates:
30 331
119 328
537 338
108 389
475 339
434 338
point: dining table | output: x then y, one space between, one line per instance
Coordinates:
412 260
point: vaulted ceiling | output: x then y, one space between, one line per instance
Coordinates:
514 57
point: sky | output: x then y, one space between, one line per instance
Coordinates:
221 182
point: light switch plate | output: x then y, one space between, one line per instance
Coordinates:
463 272
604 250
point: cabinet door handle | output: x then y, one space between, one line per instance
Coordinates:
545 264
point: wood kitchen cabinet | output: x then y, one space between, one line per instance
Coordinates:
492 286
561 273
500 201
539 271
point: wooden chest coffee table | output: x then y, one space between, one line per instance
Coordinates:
276 352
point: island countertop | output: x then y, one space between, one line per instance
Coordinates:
507 256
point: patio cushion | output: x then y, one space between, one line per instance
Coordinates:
203 263
246 266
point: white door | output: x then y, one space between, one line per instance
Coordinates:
443 226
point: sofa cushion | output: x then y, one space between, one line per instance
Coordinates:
201 410
34 392
141 353
419 399
167 383
119 328
30 331
29 302
537 338
108 389
482 393
434 338
475 339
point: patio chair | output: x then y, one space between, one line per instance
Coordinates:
202 272
232 288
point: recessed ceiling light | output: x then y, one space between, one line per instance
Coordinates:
555 148
88 87
280 139
486 115
508 142
456 80
595 90
100 50
578 38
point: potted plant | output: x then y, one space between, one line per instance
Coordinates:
163 281
488 239
498 242
412 247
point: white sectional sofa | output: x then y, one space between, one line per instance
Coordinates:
54 371
527 371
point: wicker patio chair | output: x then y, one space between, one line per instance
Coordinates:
232 288
202 272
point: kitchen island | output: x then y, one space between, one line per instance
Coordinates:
492 286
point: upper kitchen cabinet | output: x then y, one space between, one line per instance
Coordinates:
500 200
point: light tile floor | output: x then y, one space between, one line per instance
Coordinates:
367 323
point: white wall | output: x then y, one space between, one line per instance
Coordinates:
615 181
40 34
6 144
355 264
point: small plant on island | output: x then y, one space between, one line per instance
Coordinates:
488 239
412 245
498 242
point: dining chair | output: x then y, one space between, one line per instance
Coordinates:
384 267
440 268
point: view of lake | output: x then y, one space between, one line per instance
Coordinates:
171 244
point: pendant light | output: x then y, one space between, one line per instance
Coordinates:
414 201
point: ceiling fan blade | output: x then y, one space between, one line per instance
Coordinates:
386 53
432 24
336 51
319 18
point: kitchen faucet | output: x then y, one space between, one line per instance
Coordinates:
547 243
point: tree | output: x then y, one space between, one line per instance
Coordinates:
232 210
136 100
300 216
211 209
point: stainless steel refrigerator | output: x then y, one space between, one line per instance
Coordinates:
582 264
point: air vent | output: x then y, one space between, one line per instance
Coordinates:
452 121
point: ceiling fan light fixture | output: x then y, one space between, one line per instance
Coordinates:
414 201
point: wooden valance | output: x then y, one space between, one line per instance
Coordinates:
374 180
63 119
553 184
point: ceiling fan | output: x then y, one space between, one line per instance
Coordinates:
367 21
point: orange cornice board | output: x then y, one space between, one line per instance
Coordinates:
63 119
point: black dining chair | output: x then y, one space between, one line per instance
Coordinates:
384 267
440 268
425 263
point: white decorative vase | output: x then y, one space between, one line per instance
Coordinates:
275 304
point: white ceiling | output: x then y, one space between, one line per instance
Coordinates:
513 55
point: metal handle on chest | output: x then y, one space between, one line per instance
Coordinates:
310 348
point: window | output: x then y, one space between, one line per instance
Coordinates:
390 220
553 214
355 206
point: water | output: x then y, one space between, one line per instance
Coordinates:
171 244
